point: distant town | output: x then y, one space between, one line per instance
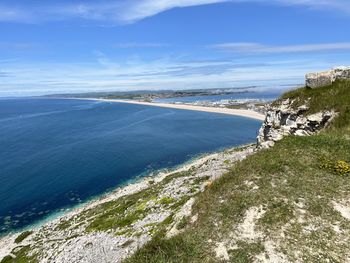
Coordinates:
205 97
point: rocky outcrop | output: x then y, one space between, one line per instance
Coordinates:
283 120
320 79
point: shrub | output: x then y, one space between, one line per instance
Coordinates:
340 167
7 259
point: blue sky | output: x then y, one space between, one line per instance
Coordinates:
75 46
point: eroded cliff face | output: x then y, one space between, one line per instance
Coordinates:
320 79
283 120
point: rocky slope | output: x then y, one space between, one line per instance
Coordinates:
282 120
114 227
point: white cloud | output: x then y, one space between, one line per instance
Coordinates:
146 8
260 48
129 11
108 75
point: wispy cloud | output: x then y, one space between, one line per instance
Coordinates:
108 75
146 8
3 74
246 48
130 11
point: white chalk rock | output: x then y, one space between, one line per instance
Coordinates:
321 79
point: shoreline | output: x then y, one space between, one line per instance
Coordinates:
7 242
112 193
235 112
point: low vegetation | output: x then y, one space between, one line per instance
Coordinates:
23 236
20 255
285 204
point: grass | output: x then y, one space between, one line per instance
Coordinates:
182 223
124 211
120 213
294 190
167 200
22 256
177 249
246 252
23 236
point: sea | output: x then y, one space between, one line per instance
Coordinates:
56 154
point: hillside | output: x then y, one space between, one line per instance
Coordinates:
286 203
289 203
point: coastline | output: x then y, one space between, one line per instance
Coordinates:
8 244
235 112
126 188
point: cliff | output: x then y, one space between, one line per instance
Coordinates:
286 203
283 120
291 116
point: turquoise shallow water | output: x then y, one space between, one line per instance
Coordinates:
57 153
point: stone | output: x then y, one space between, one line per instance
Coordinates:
283 120
266 145
291 123
321 79
342 72
301 120
315 80
316 118
302 109
301 133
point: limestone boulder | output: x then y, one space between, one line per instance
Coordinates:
342 72
321 79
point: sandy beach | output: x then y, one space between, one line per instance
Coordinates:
237 112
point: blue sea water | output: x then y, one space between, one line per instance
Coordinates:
57 153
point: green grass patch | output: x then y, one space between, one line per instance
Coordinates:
23 236
180 248
22 256
278 213
167 200
246 252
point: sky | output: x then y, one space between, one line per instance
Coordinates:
65 46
